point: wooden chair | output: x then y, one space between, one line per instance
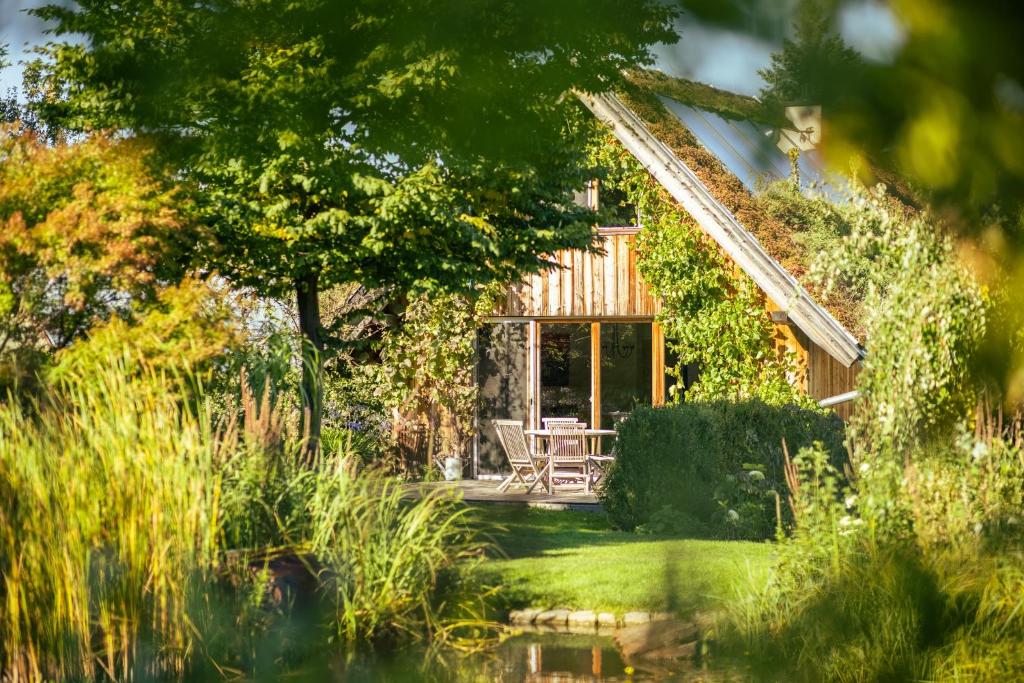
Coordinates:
549 421
522 461
568 458
598 465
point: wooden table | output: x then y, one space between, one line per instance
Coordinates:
543 434
592 433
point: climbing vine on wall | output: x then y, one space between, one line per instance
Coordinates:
712 314
426 374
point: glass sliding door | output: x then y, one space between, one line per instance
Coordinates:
503 387
565 370
626 370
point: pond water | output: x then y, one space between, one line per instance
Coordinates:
542 658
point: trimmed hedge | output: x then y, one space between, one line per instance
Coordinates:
710 469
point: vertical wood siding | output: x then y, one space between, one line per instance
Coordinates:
584 285
590 286
828 377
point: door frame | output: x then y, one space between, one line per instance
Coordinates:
534 384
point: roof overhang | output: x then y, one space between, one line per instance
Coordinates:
718 222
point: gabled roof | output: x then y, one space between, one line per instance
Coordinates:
719 223
749 149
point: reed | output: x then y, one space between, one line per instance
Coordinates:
120 501
109 526
394 567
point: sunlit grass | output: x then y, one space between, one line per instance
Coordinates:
575 560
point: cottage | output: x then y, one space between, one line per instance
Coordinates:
582 340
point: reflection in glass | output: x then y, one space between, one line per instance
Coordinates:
625 369
565 371
502 375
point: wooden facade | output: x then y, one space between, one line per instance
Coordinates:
585 285
828 377
607 287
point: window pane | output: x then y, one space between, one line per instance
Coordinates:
502 376
625 369
687 372
616 209
565 371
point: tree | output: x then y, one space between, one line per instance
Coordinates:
86 233
814 67
417 145
8 101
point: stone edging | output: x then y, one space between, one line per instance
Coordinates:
585 619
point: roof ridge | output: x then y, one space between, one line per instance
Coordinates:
722 225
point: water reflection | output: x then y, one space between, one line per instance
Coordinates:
543 658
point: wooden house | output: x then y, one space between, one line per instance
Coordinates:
583 339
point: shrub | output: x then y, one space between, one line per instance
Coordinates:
719 464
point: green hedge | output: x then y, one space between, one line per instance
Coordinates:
710 469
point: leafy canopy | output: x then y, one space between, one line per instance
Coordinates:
86 232
416 144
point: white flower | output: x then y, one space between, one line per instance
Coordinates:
733 516
863 467
850 501
980 451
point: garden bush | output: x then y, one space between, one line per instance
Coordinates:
717 465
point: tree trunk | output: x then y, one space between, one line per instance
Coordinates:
308 300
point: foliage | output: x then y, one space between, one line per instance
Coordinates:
906 569
429 364
820 223
187 326
926 318
89 231
845 602
421 147
712 315
719 464
809 69
133 529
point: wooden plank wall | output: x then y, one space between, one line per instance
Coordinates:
593 286
828 377
585 286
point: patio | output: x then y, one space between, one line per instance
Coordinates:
486 491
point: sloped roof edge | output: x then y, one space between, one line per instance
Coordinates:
684 186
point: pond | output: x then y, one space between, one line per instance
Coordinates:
544 657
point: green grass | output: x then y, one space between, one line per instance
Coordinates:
545 558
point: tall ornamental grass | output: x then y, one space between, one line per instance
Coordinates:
108 530
394 568
120 502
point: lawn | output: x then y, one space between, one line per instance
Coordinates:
545 558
